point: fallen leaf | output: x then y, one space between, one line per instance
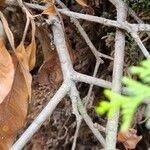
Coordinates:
51 10
31 49
82 2
50 72
23 61
13 110
6 71
22 55
45 42
129 139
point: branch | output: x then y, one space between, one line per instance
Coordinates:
130 28
122 25
89 122
140 44
67 69
141 27
87 98
134 15
91 80
112 123
28 18
70 76
45 113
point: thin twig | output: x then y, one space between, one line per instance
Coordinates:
140 44
89 122
74 95
28 18
25 30
91 86
135 16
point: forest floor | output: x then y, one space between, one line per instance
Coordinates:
58 131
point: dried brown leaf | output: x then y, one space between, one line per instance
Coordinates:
42 35
82 2
129 139
13 110
6 71
23 61
51 10
31 49
50 72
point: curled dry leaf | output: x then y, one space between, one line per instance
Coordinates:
23 61
50 72
82 2
13 110
6 71
31 49
129 139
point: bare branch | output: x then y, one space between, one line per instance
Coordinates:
112 123
89 122
68 72
45 113
91 80
70 76
122 25
140 44
141 27
96 53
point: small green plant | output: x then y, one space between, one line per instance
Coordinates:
129 103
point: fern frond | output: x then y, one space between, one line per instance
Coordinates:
128 104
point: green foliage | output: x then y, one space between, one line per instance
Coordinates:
128 104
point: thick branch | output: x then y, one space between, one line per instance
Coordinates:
68 72
112 124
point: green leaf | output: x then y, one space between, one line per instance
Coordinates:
128 104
